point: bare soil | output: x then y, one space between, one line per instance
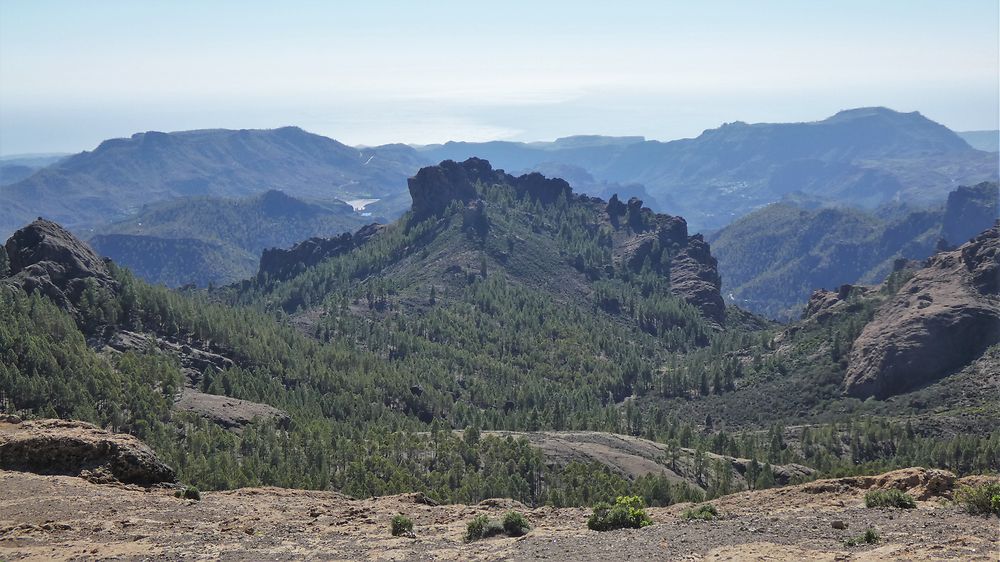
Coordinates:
68 518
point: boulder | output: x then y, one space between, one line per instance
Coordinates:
75 448
944 317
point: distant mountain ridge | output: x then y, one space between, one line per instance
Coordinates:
863 157
982 140
773 258
121 175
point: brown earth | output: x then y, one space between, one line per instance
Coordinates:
66 518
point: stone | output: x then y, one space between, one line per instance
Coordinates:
46 257
941 319
77 448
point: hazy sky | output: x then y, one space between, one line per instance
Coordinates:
73 73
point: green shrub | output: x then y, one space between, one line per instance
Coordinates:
889 498
627 513
515 524
482 527
869 537
704 512
980 500
401 525
188 493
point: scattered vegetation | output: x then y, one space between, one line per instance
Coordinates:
704 512
483 527
626 513
889 498
401 525
188 493
980 500
515 524
870 536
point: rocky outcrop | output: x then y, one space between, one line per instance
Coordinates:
279 263
969 210
941 319
661 242
694 276
824 304
45 257
76 448
229 413
434 188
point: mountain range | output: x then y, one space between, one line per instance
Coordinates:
861 157
773 258
116 179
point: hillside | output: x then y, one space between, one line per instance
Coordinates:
498 304
772 259
862 157
121 175
204 240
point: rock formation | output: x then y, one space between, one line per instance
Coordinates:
434 188
229 413
694 276
968 210
823 304
44 256
279 263
76 448
941 319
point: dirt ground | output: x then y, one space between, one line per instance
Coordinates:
68 518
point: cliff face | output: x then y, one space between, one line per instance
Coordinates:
434 188
641 238
969 207
694 276
279 263
44 256
941 319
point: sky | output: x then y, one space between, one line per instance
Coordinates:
371 72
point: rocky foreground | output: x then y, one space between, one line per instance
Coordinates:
82 509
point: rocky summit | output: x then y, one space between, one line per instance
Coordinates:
946 315
45 257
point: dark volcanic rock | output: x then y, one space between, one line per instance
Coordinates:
941 319
435 187
694 276
44 256
278 263
79 449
